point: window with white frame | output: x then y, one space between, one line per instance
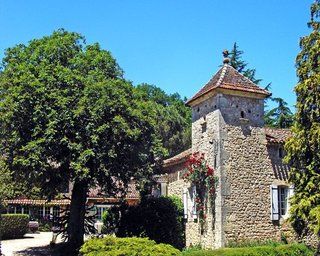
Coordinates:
100 209
280 201
189 203
56 211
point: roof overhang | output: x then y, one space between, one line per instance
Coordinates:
240 92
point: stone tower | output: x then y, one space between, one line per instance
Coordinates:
227 125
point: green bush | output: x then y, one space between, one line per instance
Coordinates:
160 219
13 225
280 250
130 246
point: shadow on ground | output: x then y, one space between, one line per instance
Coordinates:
35 251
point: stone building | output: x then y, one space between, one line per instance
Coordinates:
252 194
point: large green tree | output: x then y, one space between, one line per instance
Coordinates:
173 118
304 146
67 115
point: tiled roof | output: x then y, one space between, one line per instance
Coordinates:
177 158
132 192
229 78
26 201
94 193
275 135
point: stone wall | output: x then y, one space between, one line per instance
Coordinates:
229 130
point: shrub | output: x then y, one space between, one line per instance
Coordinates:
113 246
13 225
160 219
280 250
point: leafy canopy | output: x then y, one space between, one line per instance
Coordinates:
173 118
304 146
66 114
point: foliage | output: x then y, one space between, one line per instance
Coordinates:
67 115
304 146
133 246
240 65
160 219
111 219
13 225
280 116
201 175
280 250
173 118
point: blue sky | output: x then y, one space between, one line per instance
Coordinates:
174 44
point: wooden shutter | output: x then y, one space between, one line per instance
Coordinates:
163 189
274 202
194 205
185 204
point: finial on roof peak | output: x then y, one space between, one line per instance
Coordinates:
226 59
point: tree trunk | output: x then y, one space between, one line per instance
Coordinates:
75 228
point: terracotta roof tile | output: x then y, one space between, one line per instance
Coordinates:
132 192
177 158
26 201
276 135
229 78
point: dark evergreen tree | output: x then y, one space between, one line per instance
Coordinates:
237 62
280 116
303 149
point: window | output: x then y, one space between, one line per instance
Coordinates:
100 210
11 209
204 127
47 212
283 200
56 211
18 209
242 114
26 210
40 212
280 201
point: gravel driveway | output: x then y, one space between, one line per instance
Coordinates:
31 244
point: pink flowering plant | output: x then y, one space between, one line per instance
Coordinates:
201 175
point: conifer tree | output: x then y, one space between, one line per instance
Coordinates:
303 149
240 65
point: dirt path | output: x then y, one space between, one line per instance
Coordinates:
31 245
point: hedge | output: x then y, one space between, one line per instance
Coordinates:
130 246
160 219
281 250
13 225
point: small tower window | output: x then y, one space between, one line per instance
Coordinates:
204 127
242 114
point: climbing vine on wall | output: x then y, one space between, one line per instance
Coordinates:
201 175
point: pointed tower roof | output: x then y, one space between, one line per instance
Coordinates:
228 80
